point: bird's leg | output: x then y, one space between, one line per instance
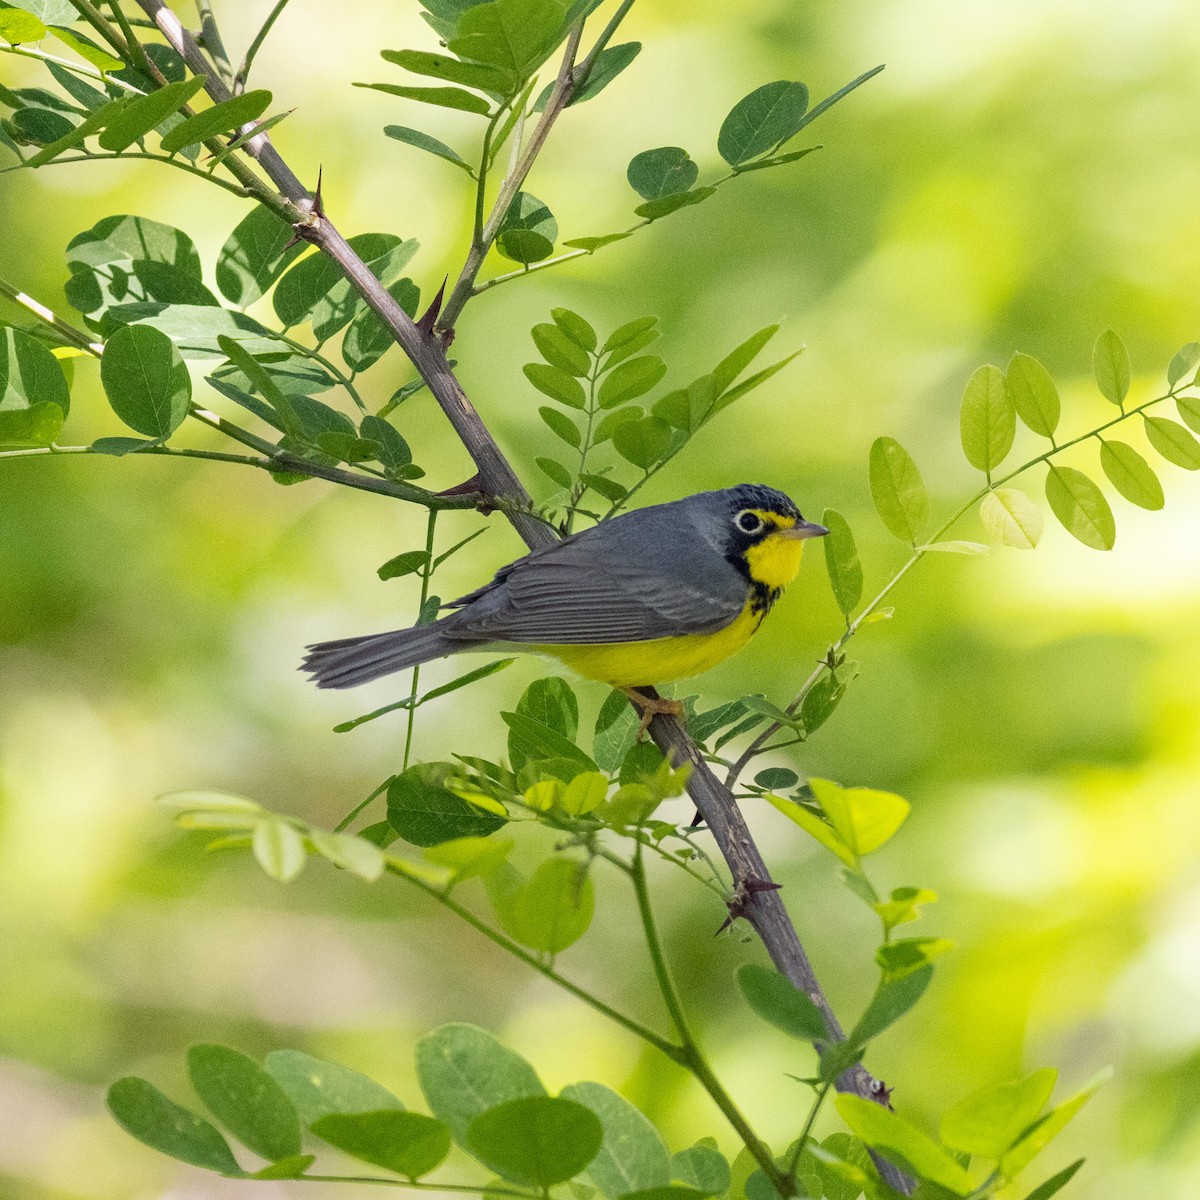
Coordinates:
651 706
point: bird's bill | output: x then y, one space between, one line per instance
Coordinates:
804 529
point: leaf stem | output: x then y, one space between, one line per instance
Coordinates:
694 1058
672 1051
560 96
210 38
243 71
809 1122
179 163
426 575
75 336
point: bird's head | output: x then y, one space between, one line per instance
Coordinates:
765 534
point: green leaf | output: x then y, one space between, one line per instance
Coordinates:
643 442
440 97
754 381
38 425
987 419
1189 410
615 731
140 116
1131 474
464 1072
591 244
664 206
1173 442
255 256
779 1002
778 160
633 378
610 62
864 818
556 383
431 145
561 351
246 1100
630 331
578 329
738 359
368 338
554 909
410 1144
989 1122
395 454
665 171
530 738
608 425
1011 518
351 853
220 119
1055 1183
143 1111
441 66
536 1140
424 812
105 260
688 408
632 1156
1032 390
197 329
893 998
561 426
315 289
247 135
145 380
1111 367
777 778
883 1130
528 232
29 375
1049 1127
902 957
17 27
825 695
317 1088
88 50
514 36
279 849
762 121
555 471
841 562
466 679
1184 360
903 906
41 126
1080 507
77 134
49 12
408 563
701 1167
898 490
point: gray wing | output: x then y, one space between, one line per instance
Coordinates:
649 574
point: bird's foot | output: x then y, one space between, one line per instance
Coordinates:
651 707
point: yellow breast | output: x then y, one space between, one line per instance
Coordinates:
638 664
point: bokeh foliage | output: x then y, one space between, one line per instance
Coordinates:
1037 712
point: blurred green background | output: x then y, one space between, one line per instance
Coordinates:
1021 176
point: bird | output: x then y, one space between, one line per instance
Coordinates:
647 597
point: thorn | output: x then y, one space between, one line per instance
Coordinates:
294 240
743 897
466 488
317 210
426 321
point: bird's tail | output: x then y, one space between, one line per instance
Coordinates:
351 661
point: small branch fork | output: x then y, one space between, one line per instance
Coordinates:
755 898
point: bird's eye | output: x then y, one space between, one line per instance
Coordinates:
748 522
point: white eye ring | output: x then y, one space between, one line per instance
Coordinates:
748 522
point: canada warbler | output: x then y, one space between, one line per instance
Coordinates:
656 594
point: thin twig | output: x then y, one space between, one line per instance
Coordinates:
210 38
243 72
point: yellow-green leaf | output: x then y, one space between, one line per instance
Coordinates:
1011 518
1081 507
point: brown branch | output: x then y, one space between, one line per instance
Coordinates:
756 900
